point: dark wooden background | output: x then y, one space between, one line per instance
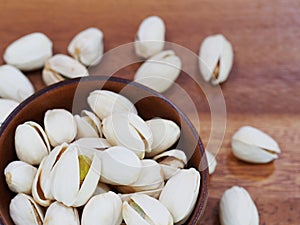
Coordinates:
263 89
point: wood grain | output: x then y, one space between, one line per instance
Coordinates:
263 89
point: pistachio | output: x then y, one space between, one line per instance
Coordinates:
62 67
29 52
104 209
59 214
212 162
31 143
60 126
19 176
6 107
185 186
160 71
104 103
142 209
165 134
128 130
93 143
215 59
237 207
150 37
24 211
87 46
252 145
14 84
88 125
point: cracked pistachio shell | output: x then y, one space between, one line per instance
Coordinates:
14 84
104 103
75 177
212 162
215 59
31 143
120 166
150 37
93 143
6 107
185 186
24 211
150 178
60 126
104 209
29 52
142 209
237 207
128 130
160 71
165 134
62 67
252 145
87 46
59 214
88 125
19 176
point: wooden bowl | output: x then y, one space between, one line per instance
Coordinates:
72 95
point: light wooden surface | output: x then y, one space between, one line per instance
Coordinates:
263 89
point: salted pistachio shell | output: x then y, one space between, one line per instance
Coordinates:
212 162
61 67
142 209
29 52
150 37
160 71
60 126
165 134
31 143
75 177
88 125
120 166
6 107
19 176
252 145
104 103
104 209
14 84
87 46
101 189
215 59
185 186
128 130
237 207
59 214
24 211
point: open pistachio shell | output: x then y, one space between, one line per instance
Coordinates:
103 103
6 107
31 143
88 125
93 143
104 209
185 186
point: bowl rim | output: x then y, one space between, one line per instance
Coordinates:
203 200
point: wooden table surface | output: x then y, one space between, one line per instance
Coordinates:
263 89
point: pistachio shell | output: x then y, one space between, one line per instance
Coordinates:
59 214
128 130
215 59
60 126
6 107
252 145
212 162
142 209
19 176
150 38
237 207
88 125
14 84
103 103
61 67
24 211
93 143
104 209
120 166
185 186
31 143
29 52
87 46
160 71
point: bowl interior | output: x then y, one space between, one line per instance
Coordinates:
72 95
